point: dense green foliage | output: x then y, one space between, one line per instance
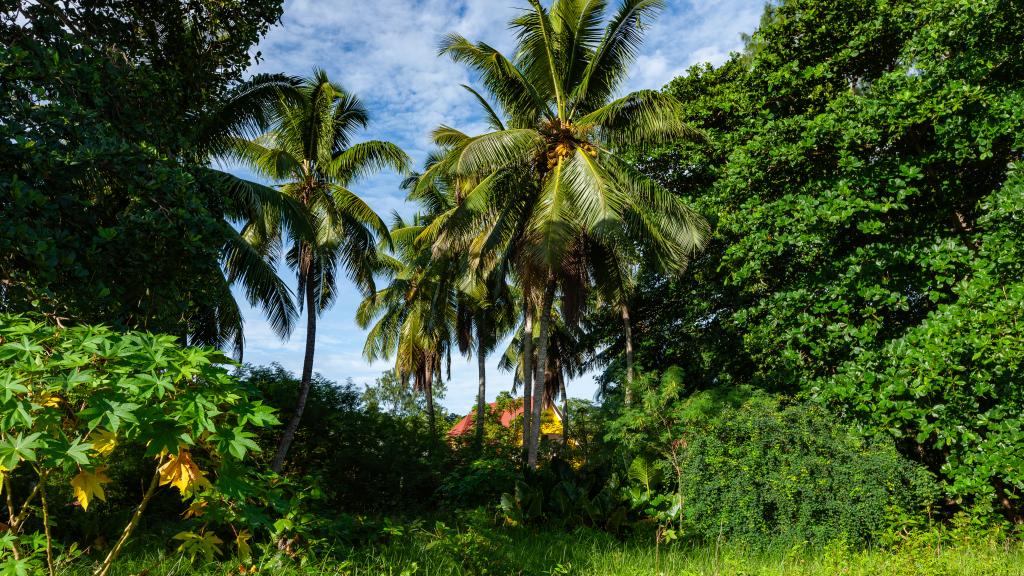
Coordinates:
365 461
72 397
741 464
109 211
826 379
762 472
861 168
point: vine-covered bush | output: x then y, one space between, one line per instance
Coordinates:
765 472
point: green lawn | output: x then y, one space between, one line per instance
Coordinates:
594 554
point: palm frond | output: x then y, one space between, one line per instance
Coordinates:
642 118
609 65
261 285
366 158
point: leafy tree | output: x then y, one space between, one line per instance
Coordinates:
309 152
538 188
110 212
391 396
861 176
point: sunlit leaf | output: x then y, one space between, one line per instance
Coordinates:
103 442
88 485
182 473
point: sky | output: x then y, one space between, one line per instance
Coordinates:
385 51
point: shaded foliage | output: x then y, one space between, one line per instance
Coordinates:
365 461
862 179
109 213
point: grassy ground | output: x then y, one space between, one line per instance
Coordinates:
448 553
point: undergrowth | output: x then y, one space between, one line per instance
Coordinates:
443 551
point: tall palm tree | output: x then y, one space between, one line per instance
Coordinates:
247 110
413 319
551 180
485 315
310 155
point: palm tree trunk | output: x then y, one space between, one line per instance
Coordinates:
307 374
542 362
565 410
527 374
481 389
627 328
428 378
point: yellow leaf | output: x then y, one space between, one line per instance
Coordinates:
182 473
48 400
88 485
242 544
195 509
103 442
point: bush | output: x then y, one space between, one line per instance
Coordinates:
479 483
77 403
367 461
769 472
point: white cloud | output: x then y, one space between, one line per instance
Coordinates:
386 52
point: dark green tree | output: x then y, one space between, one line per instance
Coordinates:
111 111
861 164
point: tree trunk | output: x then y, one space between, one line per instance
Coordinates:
527 375
481 389
307 372
428 378
565 410
627 329
542 362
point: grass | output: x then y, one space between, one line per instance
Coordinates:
587 553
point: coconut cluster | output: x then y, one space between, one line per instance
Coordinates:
563 138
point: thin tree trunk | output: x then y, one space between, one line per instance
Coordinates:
307 373
565 409
527 375
428 377
46 525
481 389
627 329
104 568
542 362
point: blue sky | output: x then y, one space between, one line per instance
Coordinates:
385 52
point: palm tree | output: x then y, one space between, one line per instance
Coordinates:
550 180
246 111
309 154
413 318
485 315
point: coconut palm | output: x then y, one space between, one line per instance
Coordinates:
413 319
310 156
551 180
246 111
486 314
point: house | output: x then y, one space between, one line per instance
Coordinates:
550 422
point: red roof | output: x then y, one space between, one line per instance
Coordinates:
466 425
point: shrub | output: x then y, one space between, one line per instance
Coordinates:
368 462
72 396
479 483
769 472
